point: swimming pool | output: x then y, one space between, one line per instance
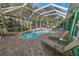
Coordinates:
29 35
33 34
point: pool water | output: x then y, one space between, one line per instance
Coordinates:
33 34
29 35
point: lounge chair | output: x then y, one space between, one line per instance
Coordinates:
61 47
5 32
58 34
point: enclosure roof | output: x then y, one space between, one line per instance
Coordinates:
46 8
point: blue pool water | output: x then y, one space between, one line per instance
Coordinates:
29 35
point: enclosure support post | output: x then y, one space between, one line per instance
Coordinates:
2 18
71 36
36 20
30 25
21 19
